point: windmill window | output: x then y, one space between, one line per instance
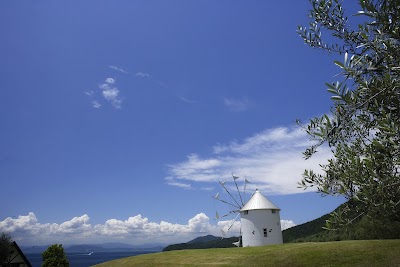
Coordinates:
273 211
265 232
246 212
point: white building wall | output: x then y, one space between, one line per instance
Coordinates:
253 224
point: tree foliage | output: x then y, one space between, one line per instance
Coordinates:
363 129
54 256
5 247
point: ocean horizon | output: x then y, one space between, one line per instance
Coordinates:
87 259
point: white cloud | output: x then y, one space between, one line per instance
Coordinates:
236 104
110 93
285 224
89 93
96 104
110 80
196 169
272 160
27 230
107 91
210 188
170 181
118 69
184 99
142 74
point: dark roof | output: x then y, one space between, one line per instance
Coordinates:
22 254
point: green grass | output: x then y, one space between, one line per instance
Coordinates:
340 253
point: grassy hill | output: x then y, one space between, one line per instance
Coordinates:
306 230
363 228
341 253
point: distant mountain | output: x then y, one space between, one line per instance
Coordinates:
208 241
83 248
203 239
34 249
117 245
150 246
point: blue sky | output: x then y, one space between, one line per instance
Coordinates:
118 118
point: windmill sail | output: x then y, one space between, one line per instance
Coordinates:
236 200
245 183
223 185
237 188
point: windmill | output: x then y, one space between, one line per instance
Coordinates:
235 204
259 217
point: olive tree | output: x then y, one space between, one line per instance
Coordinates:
363 128
6 248
54 256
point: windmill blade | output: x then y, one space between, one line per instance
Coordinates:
223 233
245 183
223 185
217 196
233 221
230 226
227 214
226 202
237 188
216 215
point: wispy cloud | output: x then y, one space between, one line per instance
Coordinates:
89 93
170 181
27 230
118 69
111 93
236 105
187 100
142 74
271 159
96 104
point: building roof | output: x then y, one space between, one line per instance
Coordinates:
259 202
15 259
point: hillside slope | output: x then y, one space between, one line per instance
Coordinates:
342 253
363 228
208 241
306 230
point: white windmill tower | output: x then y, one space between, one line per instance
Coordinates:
261 222
259 217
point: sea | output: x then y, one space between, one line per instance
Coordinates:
86 259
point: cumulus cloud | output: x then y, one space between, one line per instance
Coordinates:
27 230
285 224
272 160
236 104
142 74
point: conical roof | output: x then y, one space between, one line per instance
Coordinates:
259 202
